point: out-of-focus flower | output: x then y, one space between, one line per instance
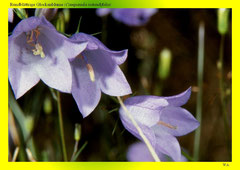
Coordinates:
10 15
48 13
37 51
138 152
161 119
223 20
129 16
94 70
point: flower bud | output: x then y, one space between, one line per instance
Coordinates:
164 65
60 25
223 15
47 105
66 13
77 132
29 122
21 13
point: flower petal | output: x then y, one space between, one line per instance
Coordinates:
167 144
180 99
103 11
138 152
132 129
31 23
22 75
93 44
148 102
133 17
21 78
56 72
61 45
180 118
142 111
108 74
85 92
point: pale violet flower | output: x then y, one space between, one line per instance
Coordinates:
37 51
161 120
129 16
97 69
138 152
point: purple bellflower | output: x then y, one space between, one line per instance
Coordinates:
10 15
129 16
94 70
161 120
37 51
138 152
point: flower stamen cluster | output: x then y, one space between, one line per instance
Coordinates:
32 40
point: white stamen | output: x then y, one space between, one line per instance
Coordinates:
38 50
91 72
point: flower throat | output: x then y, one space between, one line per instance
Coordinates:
32 40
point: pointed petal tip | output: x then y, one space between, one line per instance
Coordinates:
17 96
84 115
179 99
120 56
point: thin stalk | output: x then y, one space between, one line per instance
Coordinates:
15 154
222 92
221 51
201 35
75 150
79 151
149 146
30 156
61 126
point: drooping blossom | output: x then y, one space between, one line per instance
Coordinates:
10 15
129 16
37 51
94 70
138 152
161 119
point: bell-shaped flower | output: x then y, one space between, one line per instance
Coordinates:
94 70
138 152
160 119
37 51
129 16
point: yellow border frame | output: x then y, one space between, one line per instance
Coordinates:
123 165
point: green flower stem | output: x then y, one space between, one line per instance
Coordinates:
200 86
79 151
61 127
146 141
221 52
75 150
222 94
